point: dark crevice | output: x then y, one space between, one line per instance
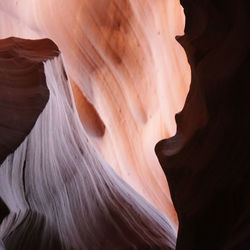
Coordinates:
4 210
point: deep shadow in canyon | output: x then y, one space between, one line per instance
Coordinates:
207 162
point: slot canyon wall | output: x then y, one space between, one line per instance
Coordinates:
79 123
128 73
60 192
207 161
112 63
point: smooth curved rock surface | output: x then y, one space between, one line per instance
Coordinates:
60 192
131 75
23 90
207 161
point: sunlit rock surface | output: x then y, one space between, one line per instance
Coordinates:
128 73
207 161
60 192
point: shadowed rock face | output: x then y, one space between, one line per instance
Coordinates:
207 161
23 90
31 233
4 211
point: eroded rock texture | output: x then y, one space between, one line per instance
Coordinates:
23 91
207 161
128 73
60 192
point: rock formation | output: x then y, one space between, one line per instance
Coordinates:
23 91
125 76
207 161
128 73
60 192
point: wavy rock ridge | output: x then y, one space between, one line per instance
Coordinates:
23 91
129 76
60 192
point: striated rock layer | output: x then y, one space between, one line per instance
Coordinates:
128 73
207 161
60 192
23 91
